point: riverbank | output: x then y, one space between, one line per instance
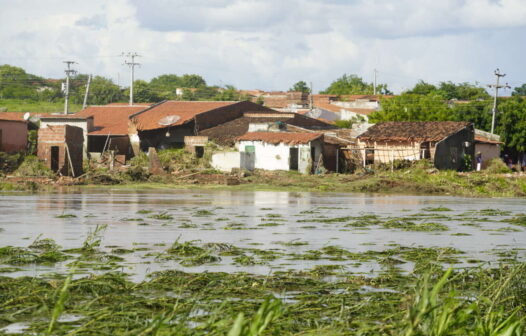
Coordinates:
407 181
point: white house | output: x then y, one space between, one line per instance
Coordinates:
281 151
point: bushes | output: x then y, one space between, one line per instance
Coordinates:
9 162
31 166
497 166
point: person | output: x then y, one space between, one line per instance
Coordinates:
478 159
508 161
523 162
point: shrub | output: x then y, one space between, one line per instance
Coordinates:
497 166
31 166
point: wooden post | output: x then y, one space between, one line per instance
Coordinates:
69 160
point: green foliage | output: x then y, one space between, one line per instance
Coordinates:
413 107
268 312
300 86
422 88
31 166
497 166
352 84
10 162
519 91
512 123
343 123
103 91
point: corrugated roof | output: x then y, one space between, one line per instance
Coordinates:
109 119
12 116
275 138
183 111
412 130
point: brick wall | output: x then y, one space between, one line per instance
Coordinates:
58 136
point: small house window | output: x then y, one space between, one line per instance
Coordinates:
250 149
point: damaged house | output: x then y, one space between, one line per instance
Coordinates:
281 151
446 143
166 124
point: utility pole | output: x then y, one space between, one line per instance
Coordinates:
86 94
68 72
496 86
311 103
132 65
374 83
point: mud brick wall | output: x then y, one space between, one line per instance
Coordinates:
75 144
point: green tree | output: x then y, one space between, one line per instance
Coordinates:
478 112
423 88
511 123
519 91
300 86
16 83
413 107
142 93
192 81
462 91
352 84
104 91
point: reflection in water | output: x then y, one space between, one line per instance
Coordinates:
236 217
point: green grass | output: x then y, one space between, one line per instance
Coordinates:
23 105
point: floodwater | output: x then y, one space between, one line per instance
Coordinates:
477 226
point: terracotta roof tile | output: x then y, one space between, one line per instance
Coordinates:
289 138
109 119
481 139
412 130
183 111
12 116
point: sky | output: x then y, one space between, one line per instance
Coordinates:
271 44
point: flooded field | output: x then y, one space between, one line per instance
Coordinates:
296 230
182 256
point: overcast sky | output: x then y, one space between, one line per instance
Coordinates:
271 44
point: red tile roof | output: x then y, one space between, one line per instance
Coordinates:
412 130
481 139
110 119
12 116
183 111
275 138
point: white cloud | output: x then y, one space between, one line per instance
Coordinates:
271 44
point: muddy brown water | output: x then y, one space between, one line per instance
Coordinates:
233 217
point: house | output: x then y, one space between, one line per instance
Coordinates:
166 124
109 128
225 134
13 132
488 145
60 147
86 124
446 143
281 151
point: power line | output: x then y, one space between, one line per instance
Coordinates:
496 86
132 64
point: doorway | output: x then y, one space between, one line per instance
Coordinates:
54 158
293 159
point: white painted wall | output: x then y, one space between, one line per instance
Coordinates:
276 157
348 115
226 161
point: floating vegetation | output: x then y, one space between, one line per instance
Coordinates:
408 225
162 216
144 212
519 220
203 213
66 216
436 209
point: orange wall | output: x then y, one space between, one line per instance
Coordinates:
14 136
